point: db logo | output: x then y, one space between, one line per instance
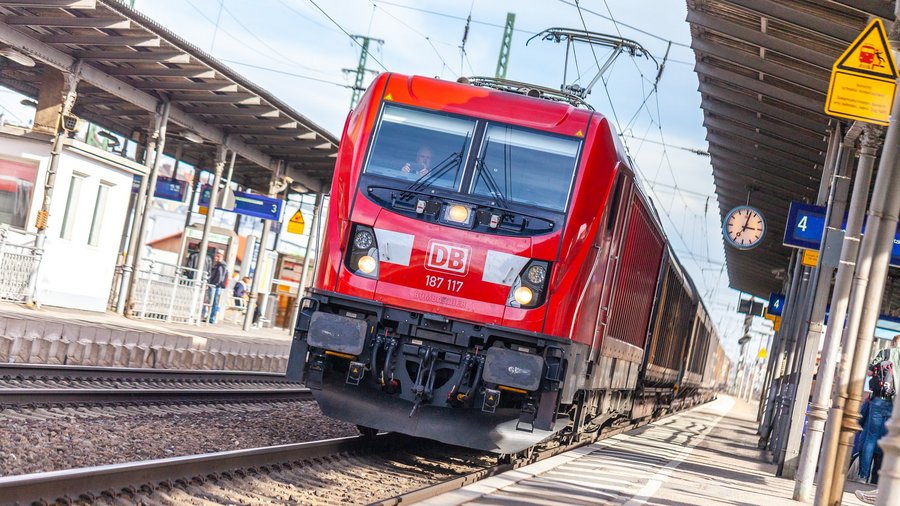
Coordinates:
448 257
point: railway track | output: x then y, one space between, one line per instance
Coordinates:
42 385
388 469
347 470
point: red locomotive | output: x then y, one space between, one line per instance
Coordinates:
491 276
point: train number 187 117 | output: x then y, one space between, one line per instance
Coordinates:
451 285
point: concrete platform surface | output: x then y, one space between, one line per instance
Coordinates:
64 336
705 456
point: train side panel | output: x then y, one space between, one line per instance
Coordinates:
669 341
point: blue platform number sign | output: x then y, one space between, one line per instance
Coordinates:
776 304
806 227
248 204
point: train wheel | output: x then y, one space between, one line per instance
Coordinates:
526 454
366 431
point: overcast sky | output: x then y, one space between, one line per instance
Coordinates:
292 49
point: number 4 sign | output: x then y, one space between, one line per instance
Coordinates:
776 304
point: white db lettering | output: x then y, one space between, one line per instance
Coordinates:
448 257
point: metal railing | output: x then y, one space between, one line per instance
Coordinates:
170 293
20 257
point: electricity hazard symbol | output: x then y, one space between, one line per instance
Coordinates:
297 224
863 79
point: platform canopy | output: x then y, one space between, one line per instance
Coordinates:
764 68
129 63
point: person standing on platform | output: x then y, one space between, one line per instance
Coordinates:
218 280
885 372
240 293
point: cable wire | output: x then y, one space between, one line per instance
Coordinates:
283 72
612 106
416 31
348 35
650 34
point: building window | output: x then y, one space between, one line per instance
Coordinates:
17 182
71 216
99 211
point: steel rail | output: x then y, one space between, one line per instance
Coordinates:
60 486
66 396
457 483
92 372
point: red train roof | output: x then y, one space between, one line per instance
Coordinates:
489 104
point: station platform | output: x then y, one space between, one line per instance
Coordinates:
62 336
705 456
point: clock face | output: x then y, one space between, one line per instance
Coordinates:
744 227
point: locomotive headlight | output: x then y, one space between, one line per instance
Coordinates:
536 274
530 289
367 264
458 213
523 295
362 252
363 239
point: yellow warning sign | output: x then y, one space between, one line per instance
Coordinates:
810 258
762 354
863 79
296 225
869 54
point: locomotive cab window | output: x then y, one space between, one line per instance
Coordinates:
416 145
526 167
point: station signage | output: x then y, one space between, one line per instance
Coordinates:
168 189
864 79
750 307
297 224
248 204
776 304
806 227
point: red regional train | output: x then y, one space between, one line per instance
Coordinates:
492 277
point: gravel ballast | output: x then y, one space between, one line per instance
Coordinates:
92 439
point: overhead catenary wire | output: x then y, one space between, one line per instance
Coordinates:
453 16
427 38
287 59
304 16
631 27
216 30
652 93
612 106
696 151
348 34
284 72
202 14
664 159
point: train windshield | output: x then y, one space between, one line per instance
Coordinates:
420 146
526 167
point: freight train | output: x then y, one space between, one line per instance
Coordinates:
492 277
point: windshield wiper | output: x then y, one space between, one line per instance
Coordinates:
491 183
426 180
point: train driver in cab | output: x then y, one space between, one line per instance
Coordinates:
422 164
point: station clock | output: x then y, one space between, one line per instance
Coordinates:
744 227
